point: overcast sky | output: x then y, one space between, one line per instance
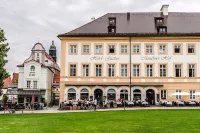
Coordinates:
26 22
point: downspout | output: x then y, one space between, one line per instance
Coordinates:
130 53
51 88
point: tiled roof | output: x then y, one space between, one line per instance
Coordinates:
141 23
56 78
7 81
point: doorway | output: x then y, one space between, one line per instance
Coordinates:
98 94
150 96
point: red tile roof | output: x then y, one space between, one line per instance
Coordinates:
56 78
15 77
7 81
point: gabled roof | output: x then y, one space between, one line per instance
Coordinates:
38 47
140 24
7 81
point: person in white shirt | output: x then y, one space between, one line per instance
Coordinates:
95 104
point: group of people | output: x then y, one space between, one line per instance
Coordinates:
84 104
88 104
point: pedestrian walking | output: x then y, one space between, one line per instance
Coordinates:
95 104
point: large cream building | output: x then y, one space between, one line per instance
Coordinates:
132 56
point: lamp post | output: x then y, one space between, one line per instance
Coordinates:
124 98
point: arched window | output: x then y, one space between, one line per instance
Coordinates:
111 94
84 94
124 94
71 94
137 94
32 69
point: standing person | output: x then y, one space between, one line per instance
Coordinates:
95 104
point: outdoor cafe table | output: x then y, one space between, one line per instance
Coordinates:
144 103
130 103
180 103
169 103
192 103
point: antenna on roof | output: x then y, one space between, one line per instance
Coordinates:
93 18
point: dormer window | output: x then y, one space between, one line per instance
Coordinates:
112 21
111 29
162 29
159 21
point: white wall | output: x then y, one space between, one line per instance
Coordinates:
184 58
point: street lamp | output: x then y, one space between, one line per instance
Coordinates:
124 91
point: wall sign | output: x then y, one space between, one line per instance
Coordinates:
108 58
154 58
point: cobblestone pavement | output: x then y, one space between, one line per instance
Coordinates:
55 110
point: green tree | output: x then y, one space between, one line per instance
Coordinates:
5 99
3 53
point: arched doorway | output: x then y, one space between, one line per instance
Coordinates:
137 94
111 95
150 96
71 94
98 94
84 94
124 94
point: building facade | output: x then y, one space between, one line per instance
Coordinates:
132 56
36 76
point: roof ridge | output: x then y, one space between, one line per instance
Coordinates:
87 23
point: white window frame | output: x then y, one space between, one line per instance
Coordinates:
28 84
136 70
178 97
192 48
149 49
73 49
124 70
111 70
149 70
163 94
35 84
111 47
98 49
98 70
178 67
85 70
191 68
73 69
162 49
177 47
192 96
124 49
163 70
136 49
86 48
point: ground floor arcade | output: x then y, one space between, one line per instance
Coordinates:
153 93
111 93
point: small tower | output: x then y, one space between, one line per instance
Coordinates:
52 51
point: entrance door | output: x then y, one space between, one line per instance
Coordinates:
150 96
98 94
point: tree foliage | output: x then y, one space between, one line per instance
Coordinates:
3 53
5 99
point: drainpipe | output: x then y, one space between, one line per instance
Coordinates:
130 53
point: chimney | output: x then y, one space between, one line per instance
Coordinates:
164 10
128 16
